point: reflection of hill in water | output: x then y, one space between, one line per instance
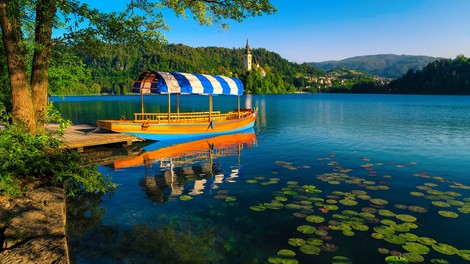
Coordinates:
193 161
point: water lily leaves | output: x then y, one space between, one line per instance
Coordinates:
400 228
387 213
185 197
439 261
251 181
297 242
348 202
413 257
396 260
410 237
464 253
383 251
281 198
321 233
417 209
328 247
416 248
314 241
448 214
385 230
406 218
360 227
310 249
274 206
348 233
427 241
340 260
293 206
278 260
230 199
315 219
394 239
445 249
257 208
306 229
378 201
440 204
417 194
377 235
286 253
464 210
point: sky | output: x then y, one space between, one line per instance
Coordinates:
322 30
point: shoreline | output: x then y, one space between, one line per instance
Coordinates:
32 227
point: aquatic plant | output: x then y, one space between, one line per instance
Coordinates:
448 214
286 253
445 249
406 218
185 197
310 249
416 248
306 229
413 257
340 260
315 219
297 242
396 260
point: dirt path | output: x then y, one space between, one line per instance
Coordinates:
32 228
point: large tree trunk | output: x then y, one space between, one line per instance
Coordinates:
45 13
15 52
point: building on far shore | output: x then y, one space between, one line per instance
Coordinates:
248 61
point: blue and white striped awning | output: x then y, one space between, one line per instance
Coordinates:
186 83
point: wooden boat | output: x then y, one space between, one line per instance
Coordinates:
170 126
187 152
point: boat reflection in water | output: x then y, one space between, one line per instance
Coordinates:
188 161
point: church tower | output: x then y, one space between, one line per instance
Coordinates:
247 58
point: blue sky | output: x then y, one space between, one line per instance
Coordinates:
320 30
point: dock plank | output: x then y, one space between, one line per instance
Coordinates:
81 136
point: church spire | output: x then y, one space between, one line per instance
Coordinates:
247 58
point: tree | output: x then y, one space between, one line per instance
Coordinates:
139 25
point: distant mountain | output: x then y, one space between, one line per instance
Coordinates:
383 65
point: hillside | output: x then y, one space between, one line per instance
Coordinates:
383 65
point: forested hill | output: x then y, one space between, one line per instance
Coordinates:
115 68
383 65
444 76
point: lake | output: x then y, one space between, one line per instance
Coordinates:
322 178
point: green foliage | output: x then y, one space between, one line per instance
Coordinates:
27 157
443 76
68 75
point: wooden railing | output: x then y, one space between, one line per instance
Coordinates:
192 117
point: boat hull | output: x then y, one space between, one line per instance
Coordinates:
177 131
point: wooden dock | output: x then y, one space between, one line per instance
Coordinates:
82 136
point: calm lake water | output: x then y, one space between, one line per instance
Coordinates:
357 176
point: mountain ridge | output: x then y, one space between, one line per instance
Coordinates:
383 65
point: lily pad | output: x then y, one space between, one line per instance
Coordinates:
281 198
378 235
348 233
440 204
464 253
396 260
328 247
185 197
315 219
385 230
394 239
406 218
410 237
230 199
417 194
417 209
340 260
377 201
321 233
427 241
413 257
286 253
293 206
314 241
400 228
448 214
306 229
464 210
257 208
416 248
310 249
274 206
439 261
387 213
383 251
251 181
348 202
297 242
445 249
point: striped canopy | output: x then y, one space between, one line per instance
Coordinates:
186 83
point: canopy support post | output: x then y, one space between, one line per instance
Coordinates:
142 103
169 107
238 96
210 107
178 104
